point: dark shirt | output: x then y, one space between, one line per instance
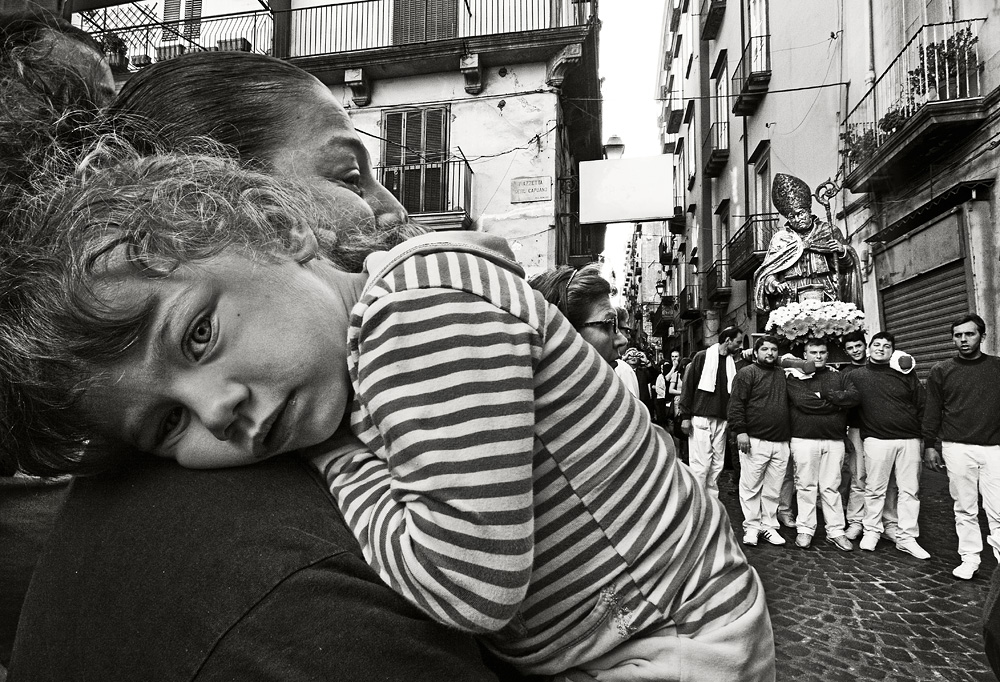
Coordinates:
818 405
694 401
853 414
963 402
167 574
759 404
891 402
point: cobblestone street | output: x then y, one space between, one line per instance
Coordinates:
883 615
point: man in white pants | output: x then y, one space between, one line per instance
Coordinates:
758 416
963 411
704 404
818 404
892 404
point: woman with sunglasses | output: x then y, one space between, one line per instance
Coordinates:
584 298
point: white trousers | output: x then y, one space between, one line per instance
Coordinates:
817 475
973 470
762 472
707 451
855 510
887 461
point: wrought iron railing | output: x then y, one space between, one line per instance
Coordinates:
941 62
334 28
689 301
756 59
748 245
430 187
717 282
715 148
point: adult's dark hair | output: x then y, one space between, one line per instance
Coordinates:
729 333
573 291
888 336
858 335
813 341
970 317
241 99
761 340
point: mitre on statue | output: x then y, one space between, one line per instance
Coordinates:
789 193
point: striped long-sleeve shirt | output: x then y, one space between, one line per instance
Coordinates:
508 484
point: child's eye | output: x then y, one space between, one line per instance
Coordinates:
171 423
200 337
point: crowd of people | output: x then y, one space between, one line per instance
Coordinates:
469 467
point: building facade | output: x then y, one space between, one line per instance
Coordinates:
476 113
893 103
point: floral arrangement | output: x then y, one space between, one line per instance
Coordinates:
815 319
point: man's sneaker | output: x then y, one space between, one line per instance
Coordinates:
889 533
750 538
786 519
854 531
841 543
869 541
772 536
803 540
965 570
911 547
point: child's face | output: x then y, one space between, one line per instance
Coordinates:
243 361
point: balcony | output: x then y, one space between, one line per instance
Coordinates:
748 246
436 195
715 149
718 285
712 12
673 106
349 27
752 76
689 302
928 100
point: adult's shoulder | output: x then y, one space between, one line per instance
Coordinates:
163 573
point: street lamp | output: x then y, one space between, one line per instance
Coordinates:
614 148
660 286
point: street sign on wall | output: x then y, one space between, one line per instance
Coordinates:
626 190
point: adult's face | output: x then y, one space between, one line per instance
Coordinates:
322 145
817 353
601 331
880 351
734 345
967 340
855 351
767 354
675 358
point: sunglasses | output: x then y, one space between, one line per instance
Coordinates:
610 324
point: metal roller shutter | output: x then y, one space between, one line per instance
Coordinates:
919 310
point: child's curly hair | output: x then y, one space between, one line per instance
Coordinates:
134 217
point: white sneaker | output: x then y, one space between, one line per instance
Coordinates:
854 531
911 547
772 536
750 538
965 570
869 541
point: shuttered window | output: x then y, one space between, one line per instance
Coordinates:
919 312
416 148
417 21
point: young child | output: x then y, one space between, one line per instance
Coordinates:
495 473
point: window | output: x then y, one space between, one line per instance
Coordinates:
414 158
720 76
761 161
721 230
417 21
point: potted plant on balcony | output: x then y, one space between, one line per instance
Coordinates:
115 50
894 118
860 143
947 68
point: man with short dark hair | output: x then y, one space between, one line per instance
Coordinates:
758 416
818 404
704 404
963 411
891 407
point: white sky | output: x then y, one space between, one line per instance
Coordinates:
629 64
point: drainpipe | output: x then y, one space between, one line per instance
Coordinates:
870 76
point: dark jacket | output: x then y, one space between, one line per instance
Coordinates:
759 404
167 574
892 403
818 405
